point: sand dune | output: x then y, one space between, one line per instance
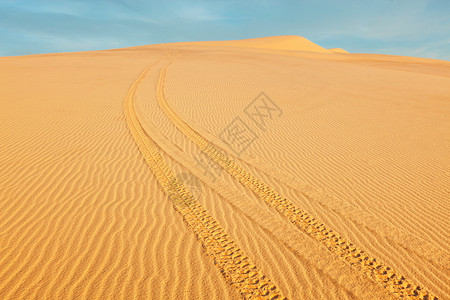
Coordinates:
342 194
338 50
285 42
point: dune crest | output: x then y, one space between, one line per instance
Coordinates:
338 50
282 42
285 42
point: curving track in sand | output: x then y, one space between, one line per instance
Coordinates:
235 266
395 282
362 146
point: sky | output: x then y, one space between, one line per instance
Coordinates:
401 27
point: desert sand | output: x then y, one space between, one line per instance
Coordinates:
264 168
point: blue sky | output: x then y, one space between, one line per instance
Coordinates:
402 27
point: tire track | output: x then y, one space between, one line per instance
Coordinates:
235 266
395 283
308 282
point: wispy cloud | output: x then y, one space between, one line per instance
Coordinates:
414 27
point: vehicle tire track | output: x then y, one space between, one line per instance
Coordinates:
235 266
395 283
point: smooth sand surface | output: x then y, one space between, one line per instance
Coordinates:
338 50
284 42
120 178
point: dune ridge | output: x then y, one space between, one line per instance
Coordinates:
283 42
338 50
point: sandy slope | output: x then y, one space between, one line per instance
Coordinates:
338 50
285 42
355 164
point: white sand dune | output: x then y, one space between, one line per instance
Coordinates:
342 195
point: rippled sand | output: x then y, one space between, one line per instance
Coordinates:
219 170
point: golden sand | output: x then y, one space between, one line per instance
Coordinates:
341 193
